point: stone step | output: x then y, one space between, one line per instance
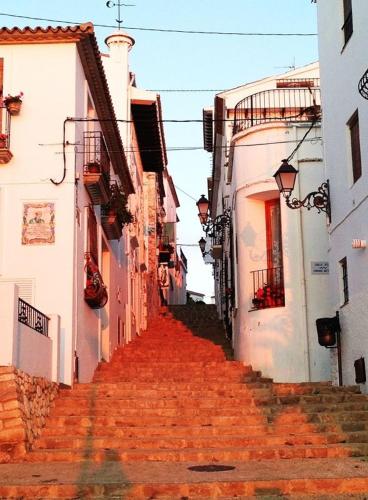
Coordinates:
250 414
179 377
108 394
342 479
75 429
170 366
194 442
328 408
245 401
312 388
109 420
202 455
328 479
167 385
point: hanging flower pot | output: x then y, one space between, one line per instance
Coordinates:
13 103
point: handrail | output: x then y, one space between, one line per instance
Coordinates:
32 317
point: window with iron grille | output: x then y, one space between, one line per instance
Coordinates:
344 281
347 27
353 125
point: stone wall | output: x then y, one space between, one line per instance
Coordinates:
25 402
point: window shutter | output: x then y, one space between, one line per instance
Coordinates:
355 147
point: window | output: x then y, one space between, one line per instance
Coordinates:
353 125
273 233
344 281
348 20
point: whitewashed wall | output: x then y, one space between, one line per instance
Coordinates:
341 69
54 86
281 341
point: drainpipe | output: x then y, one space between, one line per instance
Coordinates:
304 305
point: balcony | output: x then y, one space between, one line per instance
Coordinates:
268 288
165 250
286 103
96 172
114 214
5 153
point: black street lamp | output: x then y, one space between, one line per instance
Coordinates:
285 178
216 226
203 205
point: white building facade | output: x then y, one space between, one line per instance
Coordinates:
268 281
343 38
77 213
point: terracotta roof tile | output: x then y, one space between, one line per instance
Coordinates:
44 34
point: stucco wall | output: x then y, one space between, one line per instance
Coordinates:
282 341
341 69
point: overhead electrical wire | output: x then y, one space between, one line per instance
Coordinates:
187 194
162 30
186 90
200 148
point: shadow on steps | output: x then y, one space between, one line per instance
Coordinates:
203 321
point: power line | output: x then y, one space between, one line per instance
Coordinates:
187 194
200 148
186 90
164 30
177 120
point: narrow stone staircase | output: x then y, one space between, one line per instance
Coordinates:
169 417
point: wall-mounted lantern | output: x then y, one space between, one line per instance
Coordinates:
328 331
285 178
360 373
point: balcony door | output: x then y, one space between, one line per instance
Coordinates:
273 233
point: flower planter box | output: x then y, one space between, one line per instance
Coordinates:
111 225
97 186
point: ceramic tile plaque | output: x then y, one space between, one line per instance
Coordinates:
38 224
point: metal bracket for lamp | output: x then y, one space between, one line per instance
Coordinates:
213 227
319 199
363 85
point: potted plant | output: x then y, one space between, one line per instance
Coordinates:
118 205
93 167
13 103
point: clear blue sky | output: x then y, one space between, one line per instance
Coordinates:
182 61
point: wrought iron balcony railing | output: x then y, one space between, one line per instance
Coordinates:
96 174
96 157
268 288
32 317
286 104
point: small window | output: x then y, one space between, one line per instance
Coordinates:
348 20
344 281
353 125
